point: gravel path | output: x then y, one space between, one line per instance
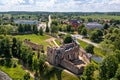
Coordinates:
4 76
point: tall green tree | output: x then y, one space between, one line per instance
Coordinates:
5 47
108 67
54 29
47 29
89 72
84 31
96 35
35 29
117 74
14 47
80 29
69 28
41 31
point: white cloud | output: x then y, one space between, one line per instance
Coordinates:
60 5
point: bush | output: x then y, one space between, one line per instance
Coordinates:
89 49
67 39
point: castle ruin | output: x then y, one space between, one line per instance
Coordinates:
67 56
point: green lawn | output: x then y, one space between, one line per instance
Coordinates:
15 73
35 38
82 44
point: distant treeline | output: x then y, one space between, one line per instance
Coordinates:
68 13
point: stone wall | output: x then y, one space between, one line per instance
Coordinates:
73 68
72 53
51 55
34 46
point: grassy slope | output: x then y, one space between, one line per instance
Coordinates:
35 38
97 51
15 73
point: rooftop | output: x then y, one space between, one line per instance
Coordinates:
26 21
92 25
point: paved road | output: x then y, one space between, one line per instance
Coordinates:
80 38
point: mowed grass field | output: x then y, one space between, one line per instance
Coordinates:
35 38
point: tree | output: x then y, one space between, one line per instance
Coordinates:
113 79
54 29
41 31
47 29
5 47
89 71
72 29
89 49
54 23
80 28
117 43
117 74
84 31
68 39
108 67
96 35
21 28
27 76
117 55
14 47
90 20
35 29
106 26
99 32
69 28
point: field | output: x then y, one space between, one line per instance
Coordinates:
15 73
103 16
35 38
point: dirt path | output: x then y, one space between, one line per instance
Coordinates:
52 40
4 76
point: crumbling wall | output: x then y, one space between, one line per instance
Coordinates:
70 66
51 55
72 53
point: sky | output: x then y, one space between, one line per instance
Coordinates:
60 5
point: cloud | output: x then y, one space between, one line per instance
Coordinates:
60 5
